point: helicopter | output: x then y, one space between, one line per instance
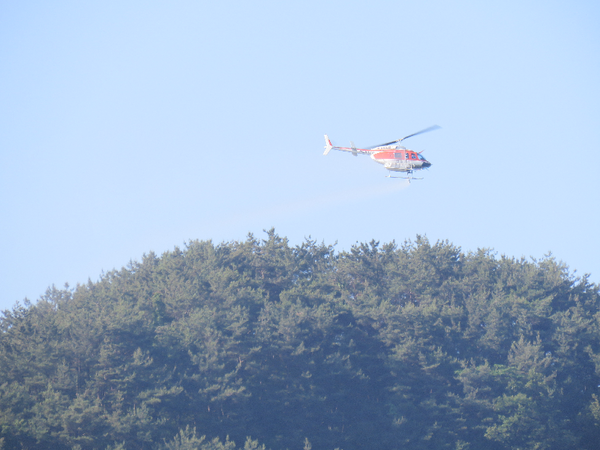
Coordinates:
393 156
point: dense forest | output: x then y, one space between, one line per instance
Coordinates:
263 345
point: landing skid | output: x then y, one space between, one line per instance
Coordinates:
405 178
409 178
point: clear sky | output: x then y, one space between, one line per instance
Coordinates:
130 127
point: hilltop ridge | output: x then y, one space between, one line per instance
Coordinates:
387 346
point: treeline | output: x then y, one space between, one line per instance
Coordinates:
259 343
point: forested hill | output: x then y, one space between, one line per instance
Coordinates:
412 346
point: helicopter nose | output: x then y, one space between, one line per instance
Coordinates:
426 164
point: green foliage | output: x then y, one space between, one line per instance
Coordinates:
411 346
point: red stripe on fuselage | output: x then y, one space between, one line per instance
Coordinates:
400 154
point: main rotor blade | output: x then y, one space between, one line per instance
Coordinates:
387 143
426 130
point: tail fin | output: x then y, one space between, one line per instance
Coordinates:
328 145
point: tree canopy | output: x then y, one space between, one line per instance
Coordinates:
260 344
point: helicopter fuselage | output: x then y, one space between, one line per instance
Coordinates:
400 159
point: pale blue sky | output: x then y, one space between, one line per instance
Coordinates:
129 127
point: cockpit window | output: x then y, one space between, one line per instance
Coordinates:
413 156
422 158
